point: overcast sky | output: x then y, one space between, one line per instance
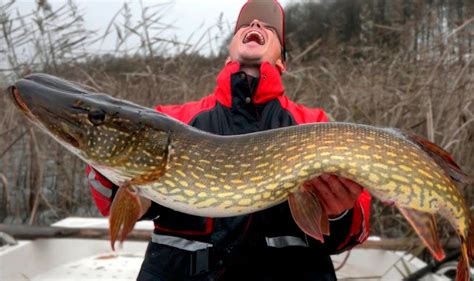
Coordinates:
188 16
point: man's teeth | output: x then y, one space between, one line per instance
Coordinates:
254 36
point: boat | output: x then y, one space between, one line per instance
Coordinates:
92 258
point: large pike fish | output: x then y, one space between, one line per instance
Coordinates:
152 155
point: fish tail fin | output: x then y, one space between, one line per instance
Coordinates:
124 212
470 240
463 273
467 254
443 158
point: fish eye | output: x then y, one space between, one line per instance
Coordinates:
97 117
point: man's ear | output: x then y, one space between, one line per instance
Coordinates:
280 65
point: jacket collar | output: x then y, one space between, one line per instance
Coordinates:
269 87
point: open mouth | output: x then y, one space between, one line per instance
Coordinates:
19 101
254 36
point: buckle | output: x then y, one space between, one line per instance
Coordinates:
199 262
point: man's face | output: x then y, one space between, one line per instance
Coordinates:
255 43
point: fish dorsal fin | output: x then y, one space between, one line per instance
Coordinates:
442 158
308 213
426 228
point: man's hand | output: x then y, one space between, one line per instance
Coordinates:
336 194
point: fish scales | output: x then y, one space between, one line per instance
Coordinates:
370 156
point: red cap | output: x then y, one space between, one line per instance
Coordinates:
268 11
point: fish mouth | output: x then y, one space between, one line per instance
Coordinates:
42 114
18 100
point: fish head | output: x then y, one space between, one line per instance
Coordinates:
102 130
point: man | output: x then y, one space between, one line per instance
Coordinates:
266 245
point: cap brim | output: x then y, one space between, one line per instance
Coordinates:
269 12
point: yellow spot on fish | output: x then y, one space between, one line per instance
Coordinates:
242 186
271 186
200 185
391 154
262 165
176 190
419 181
376 156
170 183
362 156
257 197
214 188
179 198
374 178
400 178
391 185
256 178
310 156
206 203
302 173
317 165
335 157
266 195
163 190
228 187
225 204
210 176
250 191
325 153
405 168
236 181
288 185
189 193
293 157
423 172
202 194
365 147
183 183
185 157
311 146
237 197
225 194
245 202
381 166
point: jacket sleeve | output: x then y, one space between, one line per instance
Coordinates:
352 228
103 190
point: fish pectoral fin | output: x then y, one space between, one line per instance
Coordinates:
308 213
442 158
124 212
425 226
